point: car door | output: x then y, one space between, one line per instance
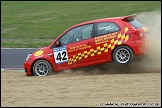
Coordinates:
75 47
105 36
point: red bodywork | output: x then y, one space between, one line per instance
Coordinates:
95 50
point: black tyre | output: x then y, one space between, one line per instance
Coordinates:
42 68
123 55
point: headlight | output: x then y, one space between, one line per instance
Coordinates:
28 56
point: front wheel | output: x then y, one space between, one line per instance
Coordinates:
123 55
42 68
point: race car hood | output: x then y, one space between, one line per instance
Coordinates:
41 51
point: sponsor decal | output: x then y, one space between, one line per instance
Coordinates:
104 38
60 54
38 53
79 47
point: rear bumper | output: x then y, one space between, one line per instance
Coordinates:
138 47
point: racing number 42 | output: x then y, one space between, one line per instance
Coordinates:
60 54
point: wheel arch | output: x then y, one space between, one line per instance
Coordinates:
119 46
31 69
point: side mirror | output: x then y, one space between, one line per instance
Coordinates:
58 43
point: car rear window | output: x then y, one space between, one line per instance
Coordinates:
135 23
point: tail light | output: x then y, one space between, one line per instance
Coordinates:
143 33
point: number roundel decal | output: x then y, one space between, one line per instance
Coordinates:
60 54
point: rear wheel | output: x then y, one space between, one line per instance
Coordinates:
42 68
123 55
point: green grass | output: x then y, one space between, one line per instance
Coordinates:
38 23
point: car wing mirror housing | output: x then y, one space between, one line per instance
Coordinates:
58 43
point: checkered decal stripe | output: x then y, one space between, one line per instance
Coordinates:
99 50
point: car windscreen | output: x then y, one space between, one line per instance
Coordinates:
135 23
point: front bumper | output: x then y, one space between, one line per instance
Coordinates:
27 68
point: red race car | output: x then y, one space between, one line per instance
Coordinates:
93 42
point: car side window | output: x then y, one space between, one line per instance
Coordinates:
87 31
107 27
77 34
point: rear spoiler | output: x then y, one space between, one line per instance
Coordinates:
129 16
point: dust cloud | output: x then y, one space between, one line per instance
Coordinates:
148 63
152 20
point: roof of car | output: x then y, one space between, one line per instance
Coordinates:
100 20
106 19
94 21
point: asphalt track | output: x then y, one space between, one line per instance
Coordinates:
13 58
